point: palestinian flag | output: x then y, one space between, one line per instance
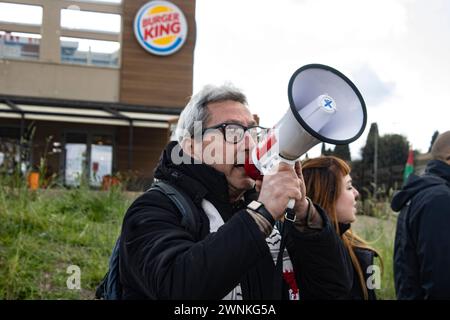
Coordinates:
409 168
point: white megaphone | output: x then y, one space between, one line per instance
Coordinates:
325 106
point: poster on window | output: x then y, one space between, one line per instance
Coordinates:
75 159
101 163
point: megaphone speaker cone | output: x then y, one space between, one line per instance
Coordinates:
317 87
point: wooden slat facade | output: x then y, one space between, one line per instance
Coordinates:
152 80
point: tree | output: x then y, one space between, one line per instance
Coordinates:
324 151
343 152
433 138
392 150
392 155
368 151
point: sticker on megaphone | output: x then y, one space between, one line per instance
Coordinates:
267 154
265 157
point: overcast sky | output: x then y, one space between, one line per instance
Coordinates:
397 52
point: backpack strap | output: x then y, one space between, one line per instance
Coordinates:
183 203
110 287
113 286
283 228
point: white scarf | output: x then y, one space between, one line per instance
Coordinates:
273 242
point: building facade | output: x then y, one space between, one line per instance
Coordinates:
79 90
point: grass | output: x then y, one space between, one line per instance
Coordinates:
42 233
379 232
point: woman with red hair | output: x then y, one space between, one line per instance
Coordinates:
328 183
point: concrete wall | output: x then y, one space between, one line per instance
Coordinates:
48 78
41 79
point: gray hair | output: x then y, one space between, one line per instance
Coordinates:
196 109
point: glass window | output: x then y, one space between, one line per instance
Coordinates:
93 21
98 155
19 45
90 52
75 163
9 155
75 158
101 159
101 163
20 13
12 152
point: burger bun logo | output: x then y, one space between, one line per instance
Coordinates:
160 27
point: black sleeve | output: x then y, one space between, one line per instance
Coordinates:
433 247
321 263
165 262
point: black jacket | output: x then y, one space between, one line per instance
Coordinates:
366 259
159 259
422 241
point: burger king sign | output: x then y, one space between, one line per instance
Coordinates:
160 27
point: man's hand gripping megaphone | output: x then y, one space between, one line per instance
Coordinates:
283 187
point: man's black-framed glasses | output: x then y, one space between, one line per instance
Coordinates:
235 132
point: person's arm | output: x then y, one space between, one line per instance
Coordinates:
312 222
166 262
321 262
433 247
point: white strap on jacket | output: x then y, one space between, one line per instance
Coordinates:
215 222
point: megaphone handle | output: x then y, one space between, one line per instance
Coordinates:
291 203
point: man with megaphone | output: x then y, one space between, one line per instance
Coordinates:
213 235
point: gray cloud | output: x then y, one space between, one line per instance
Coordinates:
373 89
